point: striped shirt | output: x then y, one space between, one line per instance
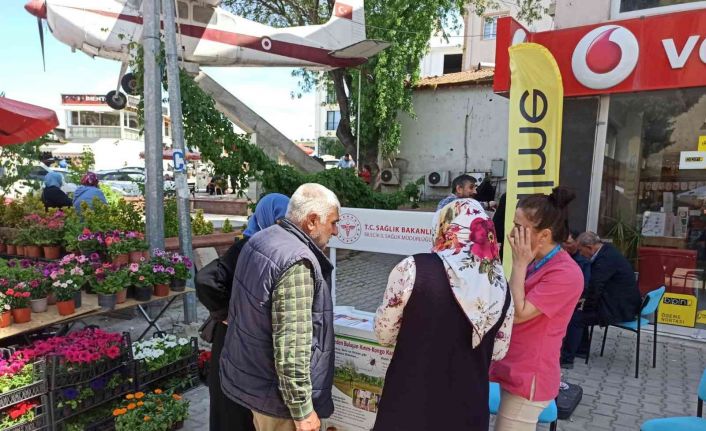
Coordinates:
292 331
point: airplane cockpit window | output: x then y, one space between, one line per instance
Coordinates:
183 10
205 15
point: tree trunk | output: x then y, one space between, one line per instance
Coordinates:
344 131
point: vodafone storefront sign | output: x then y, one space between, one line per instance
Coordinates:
652 53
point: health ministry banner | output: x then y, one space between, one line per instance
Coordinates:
534 147
394 232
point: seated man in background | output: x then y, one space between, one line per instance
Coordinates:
572 247
612 295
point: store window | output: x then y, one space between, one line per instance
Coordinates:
130 120
331 95
636 5
453 63
332 119
490 27
110 119
649 196
74 118
90 118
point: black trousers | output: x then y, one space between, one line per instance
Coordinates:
576 333
226 415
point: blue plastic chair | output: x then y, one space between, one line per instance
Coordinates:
685 423
649 307
548 416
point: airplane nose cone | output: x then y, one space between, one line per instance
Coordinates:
37 8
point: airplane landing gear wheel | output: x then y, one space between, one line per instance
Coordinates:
116 100
129 84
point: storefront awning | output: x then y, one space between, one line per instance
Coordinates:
21 122
72 149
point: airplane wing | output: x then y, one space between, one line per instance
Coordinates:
363 49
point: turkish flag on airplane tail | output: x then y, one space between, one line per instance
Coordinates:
343 10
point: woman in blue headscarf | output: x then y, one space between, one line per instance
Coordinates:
213 288
52 195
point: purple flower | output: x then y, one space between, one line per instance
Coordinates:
12 263
70 393
170 270
99 383
25 263
95 257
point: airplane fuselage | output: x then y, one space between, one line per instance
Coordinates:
208 36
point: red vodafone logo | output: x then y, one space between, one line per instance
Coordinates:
605 57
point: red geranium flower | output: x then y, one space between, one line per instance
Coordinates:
485 243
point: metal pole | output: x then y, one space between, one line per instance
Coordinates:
357 134
154 188
179 151
332 258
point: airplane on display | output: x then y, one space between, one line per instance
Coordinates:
207 36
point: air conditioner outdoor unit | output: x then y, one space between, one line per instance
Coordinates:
438 179
390 176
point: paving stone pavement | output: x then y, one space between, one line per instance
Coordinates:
613 399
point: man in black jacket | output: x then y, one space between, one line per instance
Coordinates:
213 287
612 295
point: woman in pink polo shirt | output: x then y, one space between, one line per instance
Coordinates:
546 284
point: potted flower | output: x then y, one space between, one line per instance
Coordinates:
142 279
16 415
112 283
71 267
138 245
51 233
5 308
39 290
65 290
29 235
118 249
90 242
19 302
3 245
162 273
182 271
11 248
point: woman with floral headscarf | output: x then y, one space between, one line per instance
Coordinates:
449 313
87 192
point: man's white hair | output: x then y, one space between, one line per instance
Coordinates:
311 198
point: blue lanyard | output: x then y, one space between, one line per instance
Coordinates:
543 261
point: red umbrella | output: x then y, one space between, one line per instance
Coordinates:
21 122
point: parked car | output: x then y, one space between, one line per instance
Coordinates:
129 182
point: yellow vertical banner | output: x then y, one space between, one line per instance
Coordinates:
534 136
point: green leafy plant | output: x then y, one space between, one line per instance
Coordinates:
85 164
227 227
140 274
22 378
201 226
114 281
626 238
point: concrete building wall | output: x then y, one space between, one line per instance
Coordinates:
479 47
575 13
435 139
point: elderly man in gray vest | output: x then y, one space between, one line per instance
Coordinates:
279 351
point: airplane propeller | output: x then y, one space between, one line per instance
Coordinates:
38 8
41 41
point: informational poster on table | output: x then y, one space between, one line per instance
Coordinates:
359 373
